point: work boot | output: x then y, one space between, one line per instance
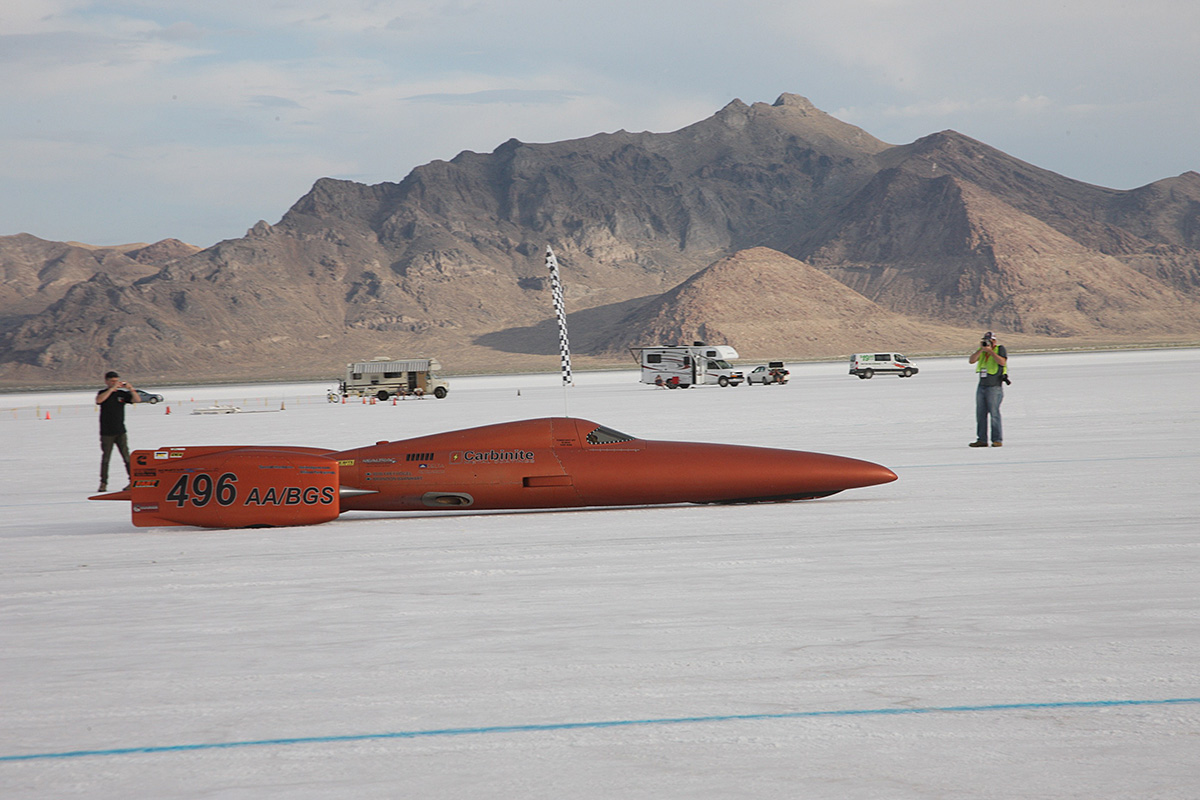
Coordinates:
977 444
103 487
997 444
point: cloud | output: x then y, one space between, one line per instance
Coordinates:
270 101
552 97
132 94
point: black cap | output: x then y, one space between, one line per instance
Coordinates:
988 335
110 374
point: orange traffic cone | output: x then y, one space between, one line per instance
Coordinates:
47 415
168 410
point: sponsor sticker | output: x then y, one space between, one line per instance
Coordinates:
491 456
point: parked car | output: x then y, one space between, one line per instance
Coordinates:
148 397
772 372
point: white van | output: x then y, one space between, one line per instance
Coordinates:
864 365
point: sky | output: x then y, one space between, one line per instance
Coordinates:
147 119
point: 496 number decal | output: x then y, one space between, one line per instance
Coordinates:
204 490
200 489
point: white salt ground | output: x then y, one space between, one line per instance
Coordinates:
1038 604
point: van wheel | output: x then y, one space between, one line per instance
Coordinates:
866 374
906 373
723 381
439 392
381 394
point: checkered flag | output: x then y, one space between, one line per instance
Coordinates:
564 344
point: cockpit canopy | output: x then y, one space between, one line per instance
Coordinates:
603 435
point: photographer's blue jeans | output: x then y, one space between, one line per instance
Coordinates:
987 403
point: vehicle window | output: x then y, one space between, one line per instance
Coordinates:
883 356
687 361
603 435
901 359
719 365
654 358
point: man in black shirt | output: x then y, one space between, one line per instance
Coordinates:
112 401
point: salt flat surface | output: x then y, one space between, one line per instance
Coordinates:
1031 614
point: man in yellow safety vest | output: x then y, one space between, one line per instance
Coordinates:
991 362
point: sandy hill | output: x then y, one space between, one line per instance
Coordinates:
764 302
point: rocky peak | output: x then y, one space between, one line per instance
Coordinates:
797 103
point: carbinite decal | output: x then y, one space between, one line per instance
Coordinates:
491 456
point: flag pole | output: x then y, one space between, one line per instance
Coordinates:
564 343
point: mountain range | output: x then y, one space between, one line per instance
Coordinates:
775 228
